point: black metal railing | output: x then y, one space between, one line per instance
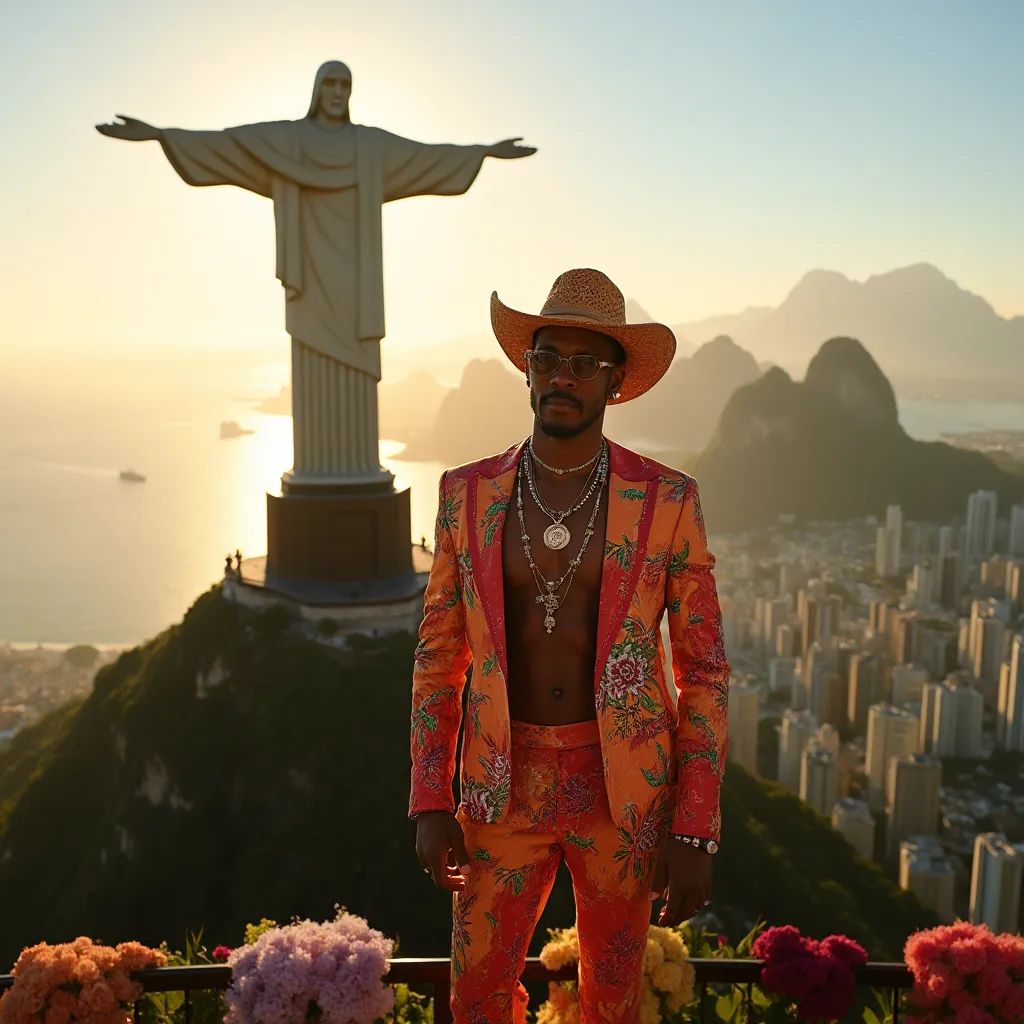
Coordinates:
431 976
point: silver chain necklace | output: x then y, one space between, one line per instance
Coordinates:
548 589
572 469
557 535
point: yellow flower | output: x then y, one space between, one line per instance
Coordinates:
684 993
650 1015
667 977
675 948
654 955
561 949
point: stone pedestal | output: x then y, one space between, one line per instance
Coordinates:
339 535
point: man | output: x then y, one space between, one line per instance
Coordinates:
553 566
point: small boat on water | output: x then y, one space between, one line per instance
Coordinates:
230 428
131 476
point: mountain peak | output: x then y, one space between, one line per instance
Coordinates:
845 371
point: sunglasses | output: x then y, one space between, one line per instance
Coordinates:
583 366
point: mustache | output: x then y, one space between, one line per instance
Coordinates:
563 395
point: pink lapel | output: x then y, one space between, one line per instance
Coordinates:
632 493
488 501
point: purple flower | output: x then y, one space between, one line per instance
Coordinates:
337 965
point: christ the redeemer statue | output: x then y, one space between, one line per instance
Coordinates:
327 178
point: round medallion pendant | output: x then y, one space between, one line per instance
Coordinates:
556 536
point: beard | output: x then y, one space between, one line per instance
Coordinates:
565 430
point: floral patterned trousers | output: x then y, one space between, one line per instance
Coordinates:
558 808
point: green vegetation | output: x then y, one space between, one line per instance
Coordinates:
230 770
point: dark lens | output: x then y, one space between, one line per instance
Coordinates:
585 367
544 362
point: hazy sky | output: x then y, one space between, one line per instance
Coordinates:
704 154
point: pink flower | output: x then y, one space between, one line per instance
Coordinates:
722 940
993 984
221 953
968 955
1012 1006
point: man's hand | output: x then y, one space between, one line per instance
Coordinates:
508 150
441 849
682 876
132 130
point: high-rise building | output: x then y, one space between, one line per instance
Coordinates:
818 614
923 584
981 525
936 648
888 539
852 819
954 573
794 734
1015 585
782 676
943 549
865 689
785 641
1010 713
907 681
995 882
744 700
925 871
773 614
877 612
1015 547
986 637
956 724
913 799
892 732
819 782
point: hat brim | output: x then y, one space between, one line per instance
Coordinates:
649 348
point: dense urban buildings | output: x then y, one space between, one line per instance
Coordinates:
886 660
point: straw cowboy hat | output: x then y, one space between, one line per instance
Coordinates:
588 298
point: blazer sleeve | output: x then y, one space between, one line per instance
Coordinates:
439 671
701 673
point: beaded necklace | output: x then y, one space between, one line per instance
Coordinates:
557 535
548 589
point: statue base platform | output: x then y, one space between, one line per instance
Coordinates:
330 612
340 539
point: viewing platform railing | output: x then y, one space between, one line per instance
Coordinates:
431 976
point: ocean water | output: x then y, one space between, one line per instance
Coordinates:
87 558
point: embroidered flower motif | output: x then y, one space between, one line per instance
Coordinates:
477 804
624 675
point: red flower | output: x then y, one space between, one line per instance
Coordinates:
221 953
843 948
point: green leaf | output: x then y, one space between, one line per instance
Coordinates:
631 494
675 605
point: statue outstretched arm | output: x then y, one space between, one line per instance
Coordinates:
132 130
413 168
508 150
199 157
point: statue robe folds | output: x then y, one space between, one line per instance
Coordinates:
328 186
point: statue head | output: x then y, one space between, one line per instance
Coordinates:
331 92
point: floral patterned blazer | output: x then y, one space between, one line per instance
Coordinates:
663 758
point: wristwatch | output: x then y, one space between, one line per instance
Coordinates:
707 845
